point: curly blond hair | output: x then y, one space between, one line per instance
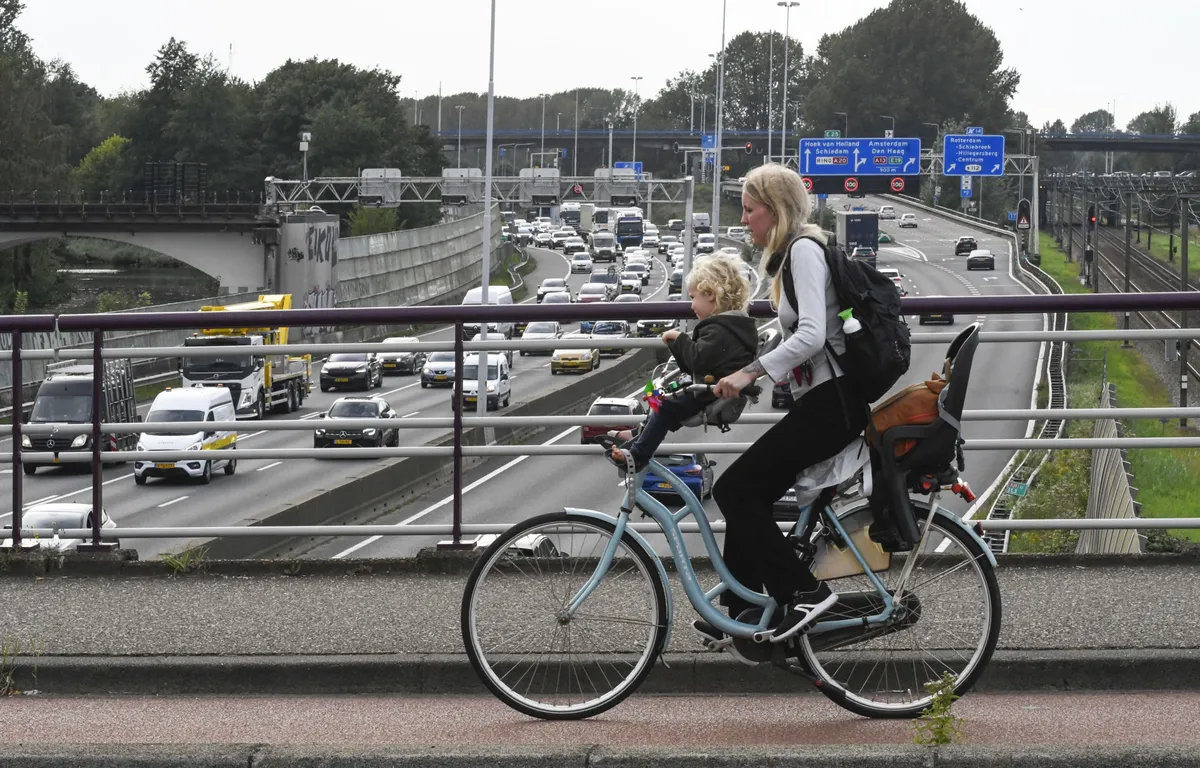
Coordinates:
721 278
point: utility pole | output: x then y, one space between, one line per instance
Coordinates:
770 95
1185 204
575 161
1128 250
1070 219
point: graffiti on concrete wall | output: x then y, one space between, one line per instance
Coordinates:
321 239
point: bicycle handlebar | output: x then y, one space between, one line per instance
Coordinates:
751 390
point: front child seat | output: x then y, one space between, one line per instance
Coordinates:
721 413
938 446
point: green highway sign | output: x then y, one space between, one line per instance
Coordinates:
833 134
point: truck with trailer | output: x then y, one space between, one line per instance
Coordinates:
65 399
257 380
630 228
857 229
570 214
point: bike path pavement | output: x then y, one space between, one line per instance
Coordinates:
995 729
383 626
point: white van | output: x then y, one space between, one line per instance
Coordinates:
499 387
498 295
188 404
887 212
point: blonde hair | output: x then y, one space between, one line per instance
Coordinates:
721 278
780 191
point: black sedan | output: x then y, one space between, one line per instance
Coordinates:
937 317
358 370
408 362
330 435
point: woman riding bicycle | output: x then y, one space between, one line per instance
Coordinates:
776 209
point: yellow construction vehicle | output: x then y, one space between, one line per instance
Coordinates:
258 381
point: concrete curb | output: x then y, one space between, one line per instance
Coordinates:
451 674
434 562
738 756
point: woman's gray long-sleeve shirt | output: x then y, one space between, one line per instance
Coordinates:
816 320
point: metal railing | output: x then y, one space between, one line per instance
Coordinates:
456 316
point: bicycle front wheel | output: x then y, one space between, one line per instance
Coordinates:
947 622
526 648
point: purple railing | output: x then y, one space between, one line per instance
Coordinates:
457 315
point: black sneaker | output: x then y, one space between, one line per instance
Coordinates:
715 640
803 610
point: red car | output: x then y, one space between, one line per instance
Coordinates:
620 408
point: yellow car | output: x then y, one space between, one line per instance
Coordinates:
578 360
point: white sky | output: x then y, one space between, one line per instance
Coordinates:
1073 55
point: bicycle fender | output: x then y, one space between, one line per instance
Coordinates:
645 545
970 531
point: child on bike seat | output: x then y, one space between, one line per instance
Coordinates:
725 340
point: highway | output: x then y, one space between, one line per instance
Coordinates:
499 491
509 490
261 484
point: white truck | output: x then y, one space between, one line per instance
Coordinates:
257 380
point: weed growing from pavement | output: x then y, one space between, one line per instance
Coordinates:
190 558
11 649
938 725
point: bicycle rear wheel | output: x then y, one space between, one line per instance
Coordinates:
948 623
524 647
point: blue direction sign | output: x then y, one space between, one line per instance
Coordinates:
1012 215
860 157
635 167
708 141
975 131
973 155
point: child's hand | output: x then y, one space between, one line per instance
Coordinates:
671 335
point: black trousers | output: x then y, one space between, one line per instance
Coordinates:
816 428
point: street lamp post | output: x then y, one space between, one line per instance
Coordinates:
937 132
716 192
692 113
558 123
481 386
575 161
635 80
770 94
889 117
787 5
845 124
460 108
543 152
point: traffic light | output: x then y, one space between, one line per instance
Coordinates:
1091 216
749 147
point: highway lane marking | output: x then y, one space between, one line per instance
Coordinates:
69 495
450 499
5 471
401 389
172 501
310 416
252 434
272 464
414 413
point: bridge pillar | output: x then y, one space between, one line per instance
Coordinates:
304 262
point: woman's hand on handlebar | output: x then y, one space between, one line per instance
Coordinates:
732 385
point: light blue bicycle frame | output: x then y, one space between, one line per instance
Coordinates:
702 601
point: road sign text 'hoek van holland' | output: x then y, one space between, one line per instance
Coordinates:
860 157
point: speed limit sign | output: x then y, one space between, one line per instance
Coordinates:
851 184
807 183
898 184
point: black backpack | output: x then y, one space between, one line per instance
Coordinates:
877 355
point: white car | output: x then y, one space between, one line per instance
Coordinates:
543 239
729 250
558 239
736 233
41 523
639 269
706 242
631 282
908 220
581 261
894 275
650 239
887 212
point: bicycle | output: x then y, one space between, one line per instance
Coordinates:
863 653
